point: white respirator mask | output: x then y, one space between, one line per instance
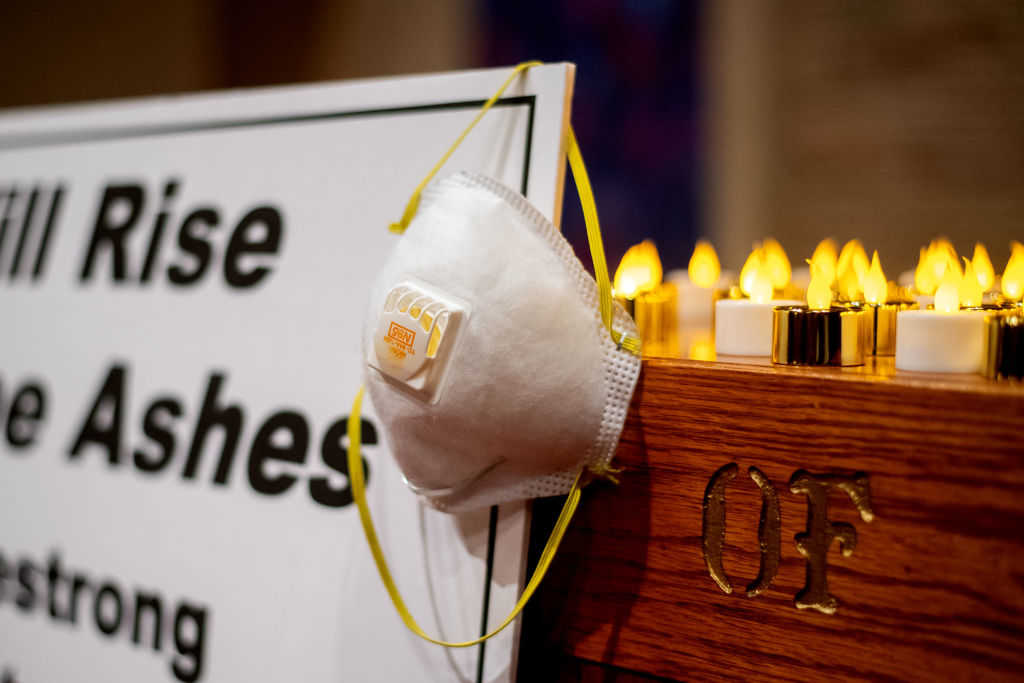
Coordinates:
499 369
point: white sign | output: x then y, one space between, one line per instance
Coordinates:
182 285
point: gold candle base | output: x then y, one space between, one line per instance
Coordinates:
655 315
801 336
994 307
1005 352
628 304
880 319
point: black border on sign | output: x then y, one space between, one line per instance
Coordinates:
71 137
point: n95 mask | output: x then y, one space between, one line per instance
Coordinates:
499 369
486 357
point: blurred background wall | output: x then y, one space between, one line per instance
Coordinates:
893 121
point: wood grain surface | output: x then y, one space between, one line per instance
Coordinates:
934 589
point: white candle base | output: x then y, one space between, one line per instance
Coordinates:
695 304
744 327
929 341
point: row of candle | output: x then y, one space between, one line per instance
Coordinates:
838 309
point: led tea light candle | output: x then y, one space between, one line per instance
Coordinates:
818 333
638 286
880 312
945 339
697 286
639 271
743 327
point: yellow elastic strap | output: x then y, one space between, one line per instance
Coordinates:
414 200
604 284
358 483
586 194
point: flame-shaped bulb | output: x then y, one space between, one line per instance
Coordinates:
761 285
826 258
851 269
983 269
704 267
777 263
971 291
819 291
1013 275
947 296
750 267
875 285
639 271
924 281
942 255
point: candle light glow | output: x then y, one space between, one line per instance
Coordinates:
819 291
826 258
982 265
704 268
776 263
947 296
924 282
851 269
876 287
935 260
971 291
750 268
761 285
1013 275
639 271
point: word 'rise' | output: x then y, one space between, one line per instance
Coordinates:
141 236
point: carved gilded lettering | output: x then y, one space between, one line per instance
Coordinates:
815 542
713 531
769 534
769 529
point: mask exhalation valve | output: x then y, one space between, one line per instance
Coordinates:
415 334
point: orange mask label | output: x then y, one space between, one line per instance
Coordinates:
400 339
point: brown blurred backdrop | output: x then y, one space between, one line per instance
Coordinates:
60 51
893 121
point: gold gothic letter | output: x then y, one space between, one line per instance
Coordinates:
768 533
815 542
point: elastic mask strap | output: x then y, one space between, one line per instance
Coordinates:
604 284
586 193
414 200
358 483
